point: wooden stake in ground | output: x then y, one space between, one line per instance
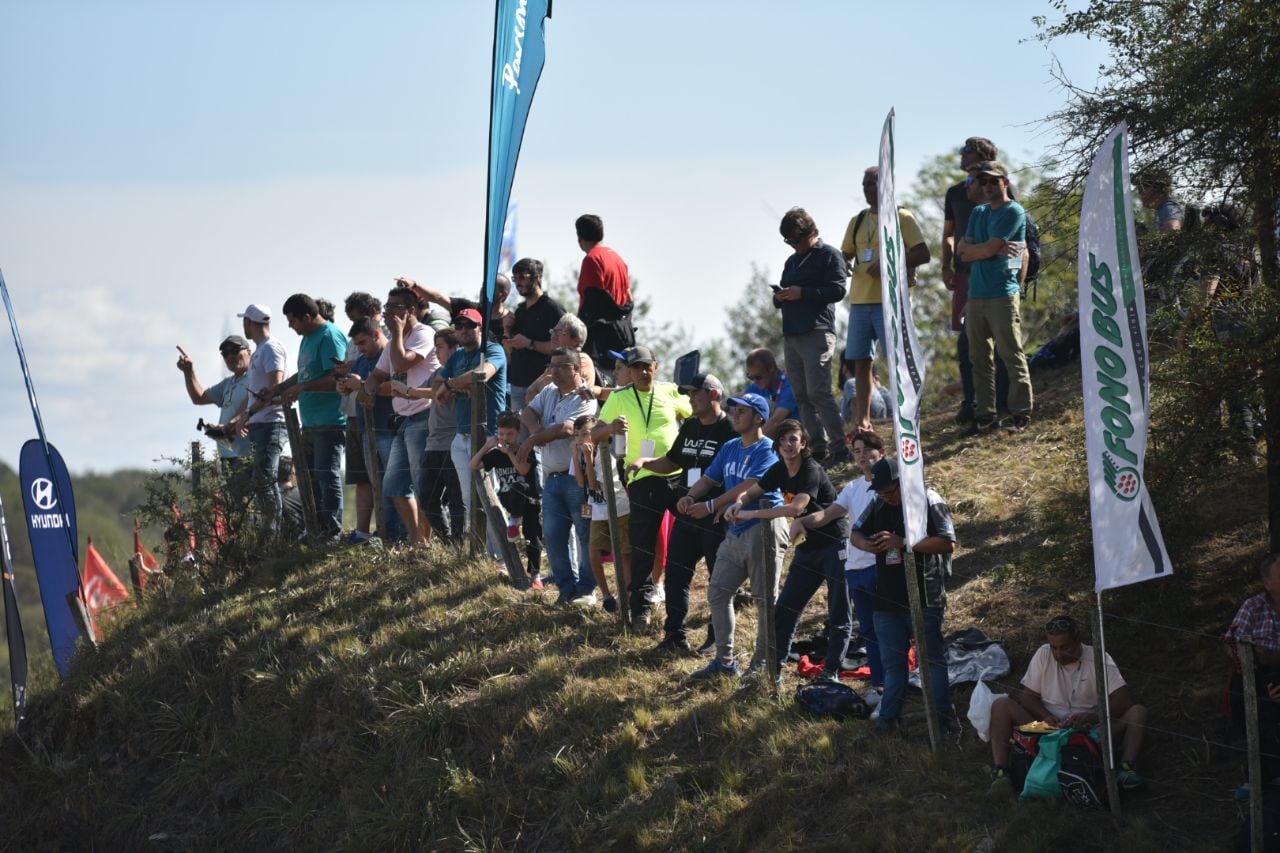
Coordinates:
497 519
479 418
1249 676
1104 709
197 458
767 598
302 470
374 468
615 536
922 649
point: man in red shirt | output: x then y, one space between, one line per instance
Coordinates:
604 293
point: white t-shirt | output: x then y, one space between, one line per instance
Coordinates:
1066 690
269 357
422 340
855 498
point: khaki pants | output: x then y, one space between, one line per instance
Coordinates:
998 323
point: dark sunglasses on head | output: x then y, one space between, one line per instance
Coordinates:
1061 625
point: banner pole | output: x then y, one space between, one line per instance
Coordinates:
1100 676
923 666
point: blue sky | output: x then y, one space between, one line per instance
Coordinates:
163 164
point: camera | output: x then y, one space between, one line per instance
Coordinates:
213 430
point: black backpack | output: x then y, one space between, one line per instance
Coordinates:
1083 781
828 699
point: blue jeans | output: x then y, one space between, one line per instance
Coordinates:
405 458
809 570
893 628
267 441
323 446
862 592
562 500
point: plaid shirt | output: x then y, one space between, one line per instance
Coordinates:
1257 619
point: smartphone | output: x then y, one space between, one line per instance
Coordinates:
776 288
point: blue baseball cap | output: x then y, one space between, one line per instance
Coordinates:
753 401
617 356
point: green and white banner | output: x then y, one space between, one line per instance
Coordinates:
906 361
1127 545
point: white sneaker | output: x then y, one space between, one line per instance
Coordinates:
588 600
873 698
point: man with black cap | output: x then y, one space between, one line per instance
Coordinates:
227 394
699 440
880 531
260 416
993 246
647 413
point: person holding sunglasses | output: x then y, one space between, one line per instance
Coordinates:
994 245
881 531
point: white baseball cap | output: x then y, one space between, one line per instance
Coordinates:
257 314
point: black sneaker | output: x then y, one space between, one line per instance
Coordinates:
675 644
610 604
980 427
1016 423
965 415
709 644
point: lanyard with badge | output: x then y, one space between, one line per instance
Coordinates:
648 446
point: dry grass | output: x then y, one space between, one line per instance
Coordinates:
393 702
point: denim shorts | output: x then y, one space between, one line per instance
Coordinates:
405 458
866 326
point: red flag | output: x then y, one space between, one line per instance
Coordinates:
102 589
149 560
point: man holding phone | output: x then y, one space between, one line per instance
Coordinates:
322 351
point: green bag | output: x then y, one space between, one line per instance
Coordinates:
1042 778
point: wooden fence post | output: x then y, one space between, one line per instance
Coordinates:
302 470
1250 679
615 535
373 465
768 599
479 420
922 650
197 461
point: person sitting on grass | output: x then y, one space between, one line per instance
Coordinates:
1061 689
806 493
519 491
590 476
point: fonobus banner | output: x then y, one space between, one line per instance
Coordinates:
51 523
519 50
13 627
906 365
1127 545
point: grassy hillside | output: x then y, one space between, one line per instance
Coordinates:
367 701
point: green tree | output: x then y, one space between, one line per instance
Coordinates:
1196 81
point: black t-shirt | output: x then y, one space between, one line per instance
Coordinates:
931 569
516 491
956 209
810 480
535 323
695 446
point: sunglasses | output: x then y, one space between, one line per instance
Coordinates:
756 377
985 180
1061 625
465 324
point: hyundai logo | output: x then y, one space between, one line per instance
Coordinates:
42 494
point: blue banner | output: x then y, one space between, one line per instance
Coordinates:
51 524
518 54
13 627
